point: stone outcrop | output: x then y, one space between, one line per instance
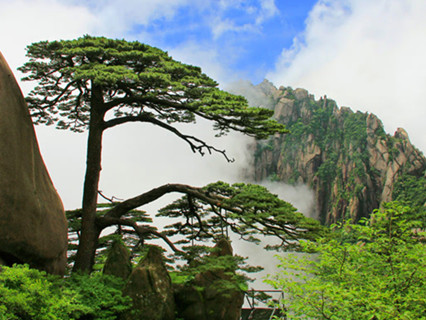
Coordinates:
118 262
344 156
203 299
33 227
150 288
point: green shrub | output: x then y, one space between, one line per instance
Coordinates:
101 293
30 294
372 270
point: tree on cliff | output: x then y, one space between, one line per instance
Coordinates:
95 84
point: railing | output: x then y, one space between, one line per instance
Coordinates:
266 312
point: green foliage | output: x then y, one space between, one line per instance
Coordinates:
248 210
411 190
372 270
274 177
101 293
245 210
200 260
121 233
328 169
130 80
355 130
30 294
95 83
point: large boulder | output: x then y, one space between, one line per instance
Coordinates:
33 227
150 288
205 298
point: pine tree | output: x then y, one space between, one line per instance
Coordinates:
95 83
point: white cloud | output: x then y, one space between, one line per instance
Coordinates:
257 14
27 21
268 9
368 55
220 26
206 56
118 18
23 22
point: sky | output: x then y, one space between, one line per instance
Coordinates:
368 55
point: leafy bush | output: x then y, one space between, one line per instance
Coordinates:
30 294
411 190
101 294
372 270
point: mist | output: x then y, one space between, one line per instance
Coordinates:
255 95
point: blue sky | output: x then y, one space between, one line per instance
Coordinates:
248 38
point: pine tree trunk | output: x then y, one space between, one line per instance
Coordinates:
89 230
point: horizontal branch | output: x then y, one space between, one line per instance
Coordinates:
196 144
156 193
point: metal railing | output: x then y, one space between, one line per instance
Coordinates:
255 312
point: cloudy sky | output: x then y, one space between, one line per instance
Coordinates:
369 55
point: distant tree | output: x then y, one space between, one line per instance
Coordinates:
95 83
372 270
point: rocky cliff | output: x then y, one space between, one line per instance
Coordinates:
346 157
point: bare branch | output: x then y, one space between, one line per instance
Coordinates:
106 198
196 144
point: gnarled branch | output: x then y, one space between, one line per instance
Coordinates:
156 193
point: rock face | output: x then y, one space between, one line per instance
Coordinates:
347 158
33 227
210 303
118 261
150 288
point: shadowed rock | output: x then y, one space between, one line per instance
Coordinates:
33 227
150 288
118 261
203 299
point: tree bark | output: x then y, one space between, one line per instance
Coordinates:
90 232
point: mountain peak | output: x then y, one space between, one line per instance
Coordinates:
346 157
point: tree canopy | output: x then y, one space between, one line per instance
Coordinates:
95 83
204 215
132 82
